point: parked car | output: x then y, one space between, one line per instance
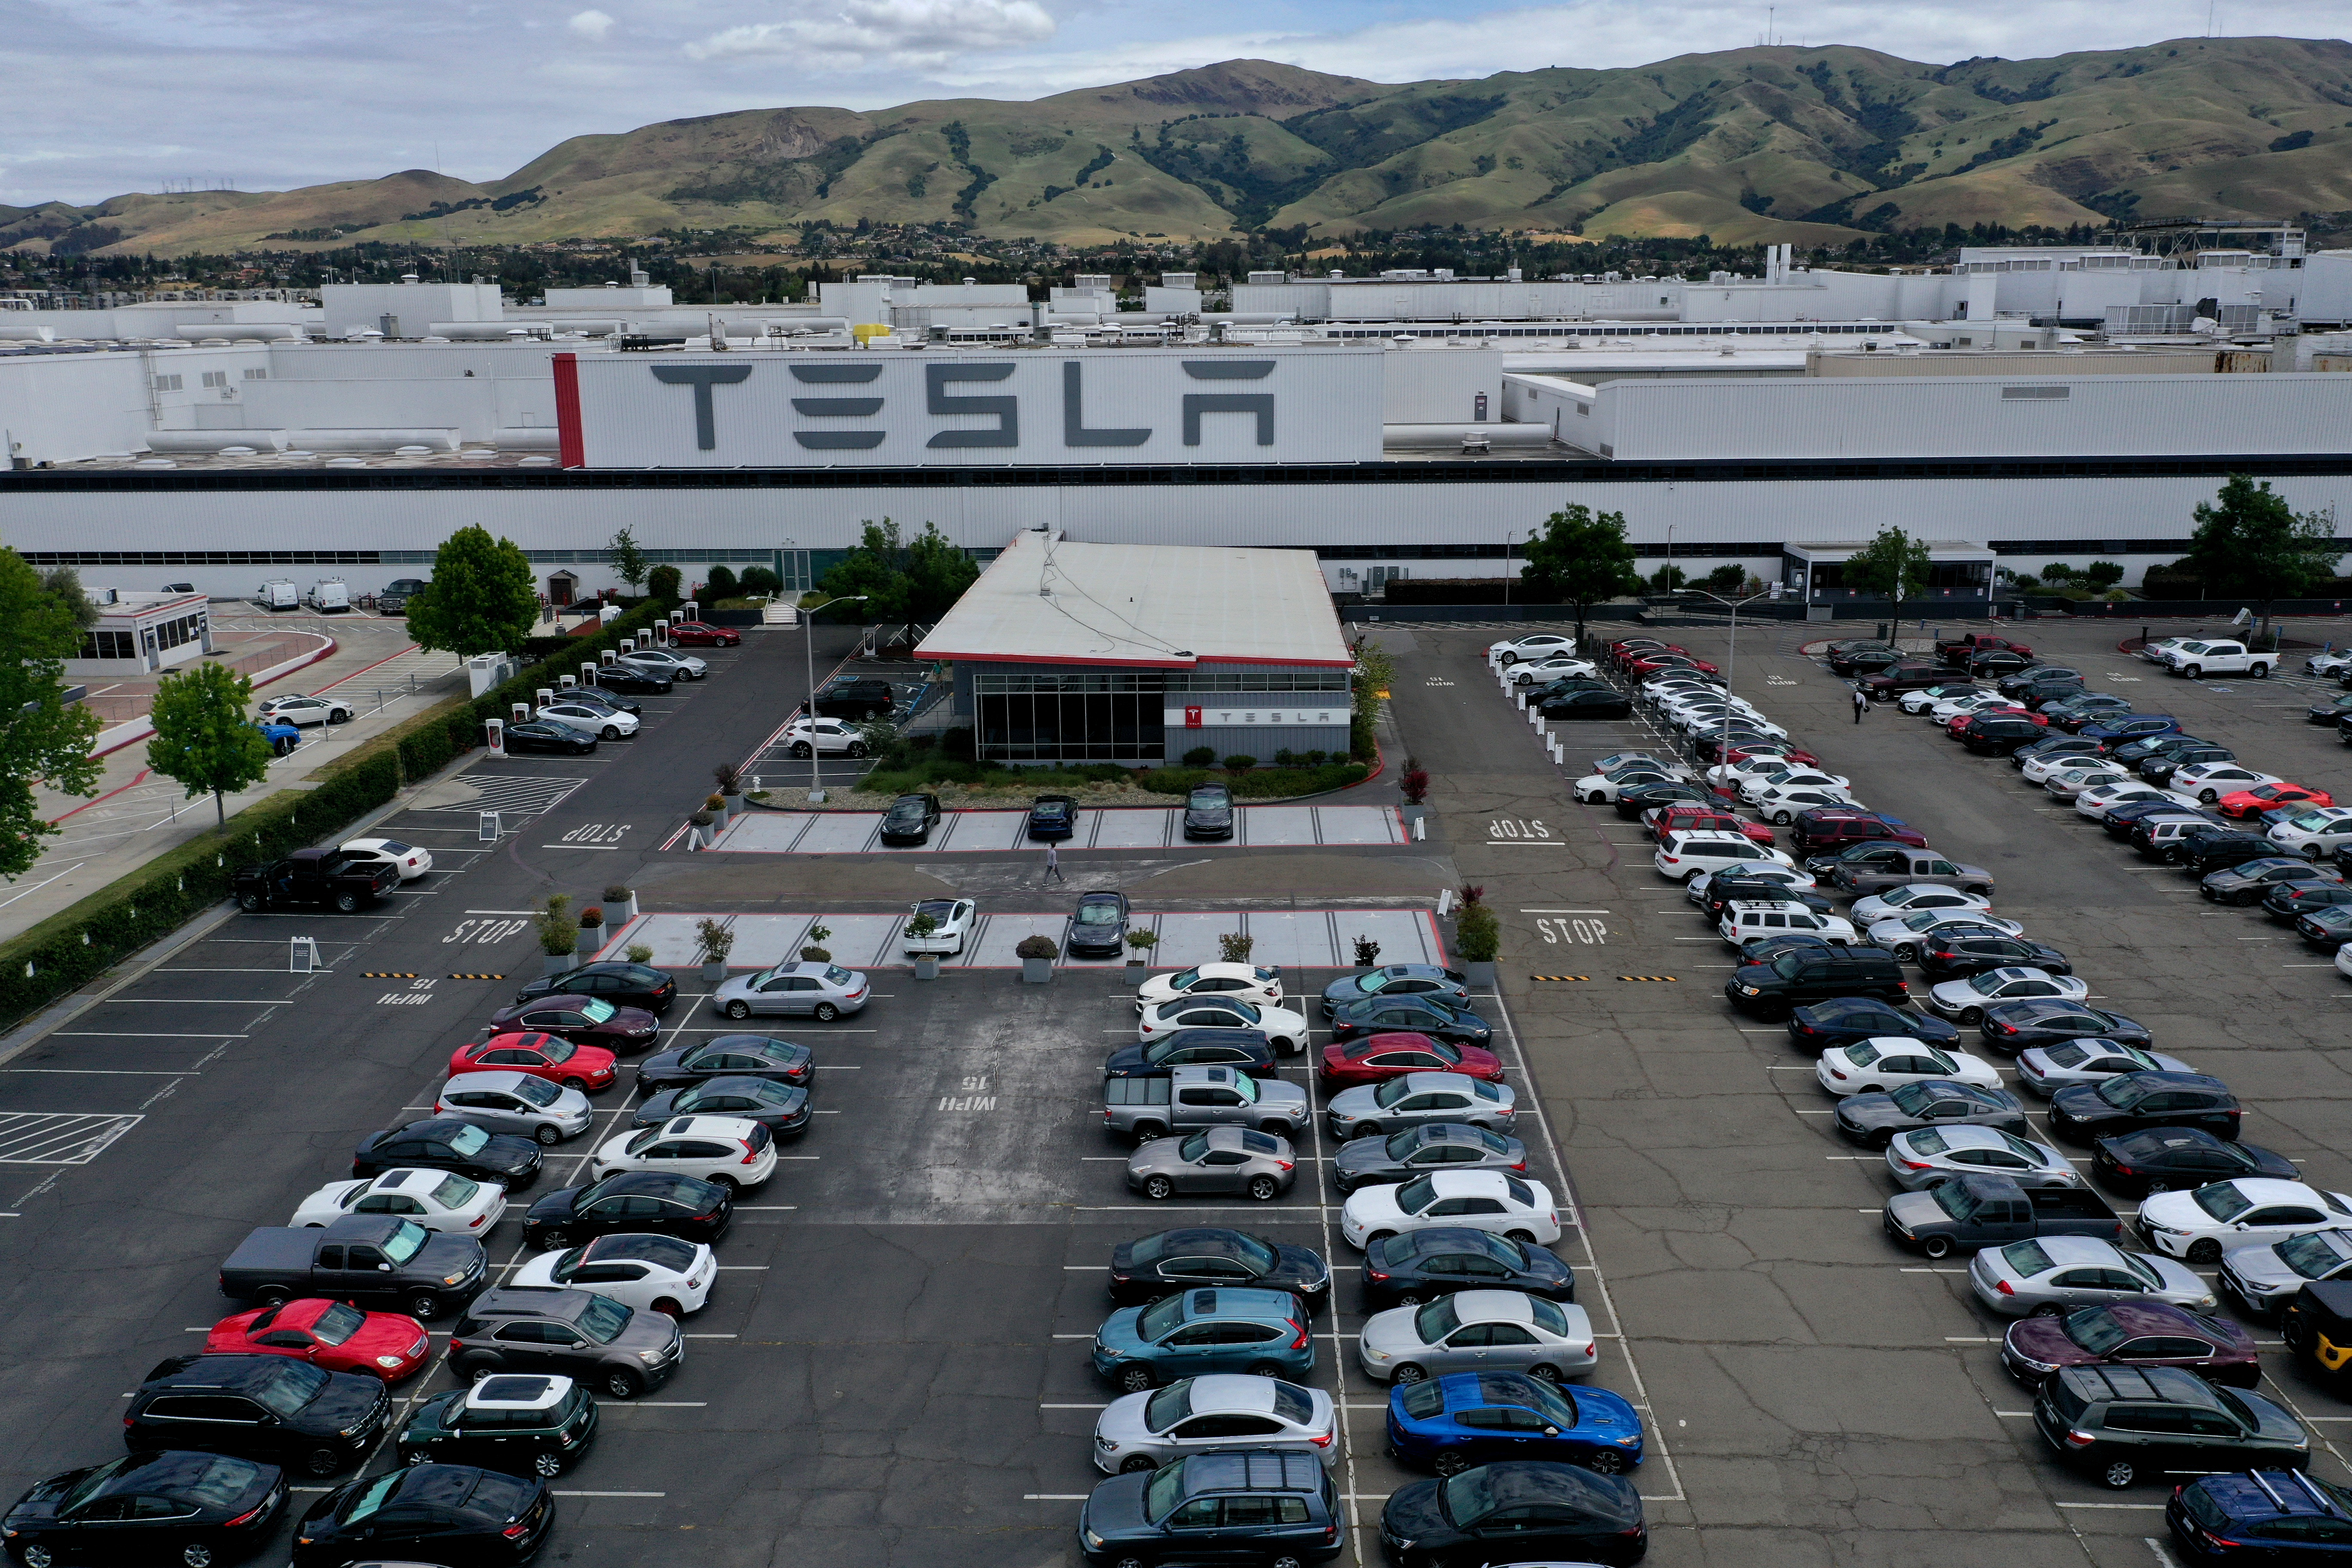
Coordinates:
1849 1020
2249 882
822 991
2240 1211
271 1408
633 1201
855 700
591 1070
2129 1102
647 1272
2262 1277
952 922
2009 1028
664 661
407 859
1893 869
727 1056
1543 1511
1236 1160
537 1426
2125 1424
806 737
1955 953
1593 703
1426 1146
631 681
1934 1157
515 1103
314 877
2061 1272
1472 1329
379 1261
781 1108
438 1200
1053 817
1217 1412
1448 985
1482 1200
2166 1159
1190 1097
1990 1209
1209 811
1451 1423
728 1150
557 1331
1874 1121
1832 828
1409 1015
1151 1267
2046 1069
1192 1332
910 820
1418 1266
1244 1507
2265 797
1374 1110
583 1019
2130 1333
2260 1516
448 1144
547 735
1793 980
701 633
1873 1066
452 1513
1965 1001
1284 1029
623 985
1258 983
2196 659
589 719
1098 926
207 1507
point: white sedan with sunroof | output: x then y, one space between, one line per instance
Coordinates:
1543 645
639 1269
1911 897
438 1200
1964 1001
2244 1211
1494 1201
1256 982
1889 1061
1544 669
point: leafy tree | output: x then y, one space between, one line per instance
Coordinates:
1891 566
1668 578
482 599
2251 544
203 738
627 558
722 584
42 739
909 580
1727 579
663 582
1581 558
940 571
65 583
2103 574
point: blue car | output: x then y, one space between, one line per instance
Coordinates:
2262 1516
2120 727
1196 1331
282 738
1053 816
1449 1423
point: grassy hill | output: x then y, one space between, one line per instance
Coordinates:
1747 145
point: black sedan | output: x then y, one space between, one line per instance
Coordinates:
438 1513
2330 710
2205 850
1448 985
781 1108
1416 1014
2249 882
1862 657
2120 820
1957 954
1631 803
1746 887
910 820
631 681
2016 682
1154 1266
1053 816
189 1507
2329 929
598 697
727 1055
539 735
682 1206
1243 1049
1590 703
1422 1265
1873 1119
459 1147
622 984
1420 1149
1999 661
1209 811
2158 769
2131 753
2133 1101
1846 1020
1099 925
1532 1509
2177 1159
2009 1028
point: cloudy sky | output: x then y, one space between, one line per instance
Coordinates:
107 96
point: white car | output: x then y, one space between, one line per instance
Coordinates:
1927 697
1980 702
1680 683
1254 983
2100 799
2344 959
438 1200
2046 1069
1709 697
1752 788
1682 855
2038 770
728 1151
662 661
2244 1211
1543 645
2153 652
952 925
2332 664
2068 783
1284 1030
295 708
411 861
1707 718
1211 1413
1787 876
1779 803
1911 897
1616 759
1477 1331
1597 789
1889 1061
2313 834
1541 670
1755 765
828 737
643 1271
1743 921
2202 784
1964 1001
2199 660
604 723
1903 935
1493 1201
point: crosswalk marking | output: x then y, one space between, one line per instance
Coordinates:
518 796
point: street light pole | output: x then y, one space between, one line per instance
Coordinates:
1732 660
808 630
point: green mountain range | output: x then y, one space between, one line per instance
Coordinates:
1748 145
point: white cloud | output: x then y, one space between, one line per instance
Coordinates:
592 25
911 35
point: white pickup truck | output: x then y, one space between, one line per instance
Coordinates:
2202 657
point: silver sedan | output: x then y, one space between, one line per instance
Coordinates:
2058 1273
1221 1160
515 1102
2046 1069
1904 934
1933 1155
1371 1109
1472 1331
1203 1414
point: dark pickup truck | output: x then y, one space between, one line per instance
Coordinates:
318 877
370 1260
1992 1211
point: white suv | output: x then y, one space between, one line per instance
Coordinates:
1682 855
727 1150
828 737
1743 923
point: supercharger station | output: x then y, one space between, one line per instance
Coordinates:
497 741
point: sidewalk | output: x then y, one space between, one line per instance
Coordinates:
138 815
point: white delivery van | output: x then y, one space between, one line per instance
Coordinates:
329 595
279 596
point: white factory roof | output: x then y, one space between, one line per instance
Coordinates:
1166 607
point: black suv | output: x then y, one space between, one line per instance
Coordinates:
1991 734
857 700
270 1407
1422 1265
1245 1507
577 1334
910 820
509 1421
2204 850
2133 1101
1796 979
2123 1424
1959 953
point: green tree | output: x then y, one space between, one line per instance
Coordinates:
42 739
1581 558
2103 574
1893 566
939 573
662 584
913 579
203 738
1668 578
65 583
627 558
482 599
2249 544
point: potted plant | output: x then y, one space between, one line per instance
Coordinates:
716 805
592 929
730 777
703 832
639 952
1037 954
927 964
622 900
559 934
1368 952
1140 945
1233 947
812 949
1477 938
714 941
1413 784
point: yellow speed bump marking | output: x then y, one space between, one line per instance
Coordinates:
1655 977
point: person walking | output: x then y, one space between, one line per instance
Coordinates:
1861 703
1053 867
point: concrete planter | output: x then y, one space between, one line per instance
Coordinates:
714 973
926 966
623 912
1135 962
557 963
1413 814
717 820
1478 974
1036 971
592 942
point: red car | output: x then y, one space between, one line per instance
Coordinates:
695 633
1802 759
584 1068
1657 663
333 1335
1959 721
1687 814
1375 1058
1622 653
583 1020
2270 797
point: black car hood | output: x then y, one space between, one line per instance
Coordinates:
1412 1512
506 1151
1298 1270
557 1204
2082 1102
445 1255
1116 1507
1130 1062
347 1399
39 1503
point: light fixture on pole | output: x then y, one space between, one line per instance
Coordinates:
1730 662
808 637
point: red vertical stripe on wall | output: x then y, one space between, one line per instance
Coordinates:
570 447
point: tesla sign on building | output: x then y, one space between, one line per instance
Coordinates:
950 407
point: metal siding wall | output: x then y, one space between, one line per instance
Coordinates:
1260 742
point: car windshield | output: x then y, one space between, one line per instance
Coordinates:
1416 1195
2022 1149
285 1386
407 1241
468 1141
1193 1148
1436 1320
1246 1087
1100 913
1160 1317
338 1323
1392 1090
906 809
597 1009
1182 979
87 1488
456 1191
1468 1497
2222 1200
537 1091
372 1496
2095 1329
1205 799
2315 1256
1168 1406
603 1318
836 976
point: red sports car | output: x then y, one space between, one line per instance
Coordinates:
1803 758
695 633
1651 664
584 1068
2272 796
333 1335
1375 1058
1624 652
1689 814
583 1020
1959 721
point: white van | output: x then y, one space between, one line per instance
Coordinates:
329 595
279 596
